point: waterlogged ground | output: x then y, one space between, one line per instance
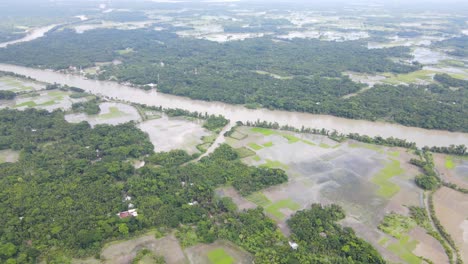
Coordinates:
169 133
111 113
49 100
454 216
452 169
123 252
368 181
8 83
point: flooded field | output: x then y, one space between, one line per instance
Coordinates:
111 113
8 155
17 85
454 216
368 181
452 169
47 100
168 133
422 137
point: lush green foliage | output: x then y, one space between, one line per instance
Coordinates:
317 231
89 107
184 66
7 95
61 197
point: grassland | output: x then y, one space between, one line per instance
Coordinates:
264 131
244 152
114 112
386 188
403 248
274 209
268 144
274 164
412 77
255 146
220 256
398 226
259 198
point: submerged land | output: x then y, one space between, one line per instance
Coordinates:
93 177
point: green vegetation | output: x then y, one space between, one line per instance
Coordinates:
268 144
219 256
264 131
386 188
145 255
274 208
397 225
429 180
215 123
244 152
255 146
7 95
259 198
403 248
449 164
89 107
318 85
291 139
114 112
274 164
413 77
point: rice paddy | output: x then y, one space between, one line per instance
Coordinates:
367 181
386 188
219 256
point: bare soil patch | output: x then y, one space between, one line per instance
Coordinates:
428 246
124 252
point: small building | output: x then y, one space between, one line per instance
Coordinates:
293 245
129 213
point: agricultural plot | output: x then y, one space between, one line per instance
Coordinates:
8 83
123 252
167 133
454 216
368 181
219 252
111 113
452 169
47 100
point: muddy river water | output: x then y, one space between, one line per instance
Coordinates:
235 113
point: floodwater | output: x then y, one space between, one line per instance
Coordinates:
111 113
33 34
174 133
235 113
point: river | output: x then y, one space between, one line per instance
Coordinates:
33 34
421 137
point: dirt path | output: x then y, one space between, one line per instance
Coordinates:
219 140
